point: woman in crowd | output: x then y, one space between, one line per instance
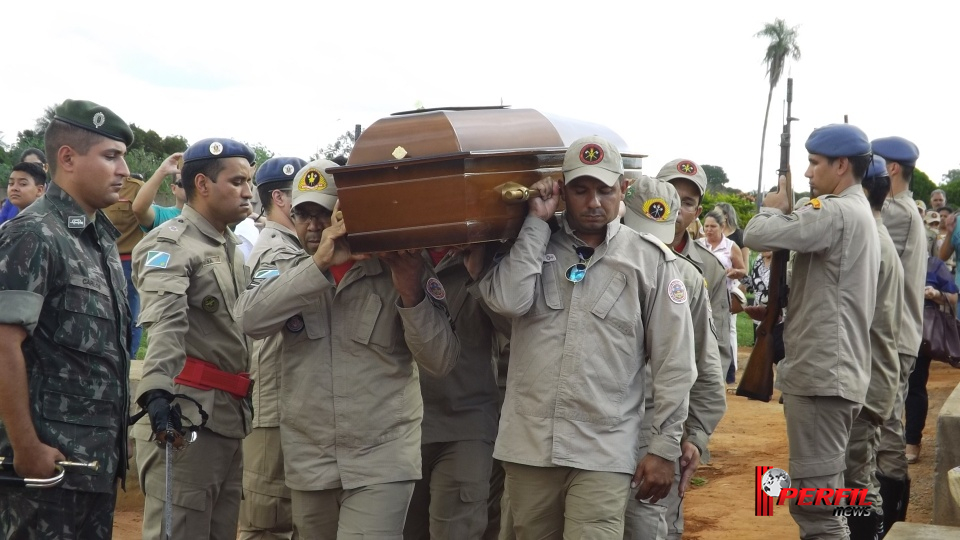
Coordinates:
940 292
732 259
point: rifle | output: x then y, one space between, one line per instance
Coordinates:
757 380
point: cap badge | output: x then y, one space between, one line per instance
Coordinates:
591 154
677 292
216 148
98 120
312 181
687 167
656 209
288 169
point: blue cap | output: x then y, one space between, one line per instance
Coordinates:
878 167
838 140
218 148
896 149
278 170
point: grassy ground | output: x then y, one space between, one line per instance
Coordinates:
744 330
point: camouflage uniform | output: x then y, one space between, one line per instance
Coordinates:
62 281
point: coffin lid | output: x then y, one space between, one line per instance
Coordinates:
427 135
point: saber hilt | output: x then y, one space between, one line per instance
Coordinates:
6 464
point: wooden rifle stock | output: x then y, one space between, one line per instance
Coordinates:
757 380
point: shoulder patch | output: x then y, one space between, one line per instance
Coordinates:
435 289
266 273
157 259
668 253
677 291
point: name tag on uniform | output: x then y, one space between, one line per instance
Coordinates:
211 260
549 257
76 222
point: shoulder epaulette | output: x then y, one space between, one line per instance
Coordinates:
668 253
171 230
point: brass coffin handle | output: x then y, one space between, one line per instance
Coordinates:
513 193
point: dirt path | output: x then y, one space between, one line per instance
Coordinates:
751 434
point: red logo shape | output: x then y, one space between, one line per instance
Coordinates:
591 154
687 167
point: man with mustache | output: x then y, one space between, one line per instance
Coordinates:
189 274
592 304
356 333
63 334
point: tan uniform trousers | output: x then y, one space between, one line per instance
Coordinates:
861 458
207 484
655 521
265 512
818 430
563 502
450 501
374 511
892 450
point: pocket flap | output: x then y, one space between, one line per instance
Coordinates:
164 283
610 295
80 410
184 495
367 319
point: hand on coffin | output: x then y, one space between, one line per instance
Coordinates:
333 248
545 198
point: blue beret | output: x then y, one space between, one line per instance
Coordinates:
878 167
278 169
896 149
838 140
217 148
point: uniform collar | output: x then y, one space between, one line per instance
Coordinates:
282 229
206 228
905 194
612 228
69 211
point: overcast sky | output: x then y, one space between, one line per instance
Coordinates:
673 78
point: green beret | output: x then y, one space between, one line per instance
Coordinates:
96 118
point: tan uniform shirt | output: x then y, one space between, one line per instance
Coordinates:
902 220
884 331
189 277
708 395
716 276
575 389
350 390
276 250
122 216
833 292
463 405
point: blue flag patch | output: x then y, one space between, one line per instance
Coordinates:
157 259
266 273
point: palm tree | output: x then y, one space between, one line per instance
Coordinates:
783 44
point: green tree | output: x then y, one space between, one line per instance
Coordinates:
261 153
783 44
716 178
341 147
740 203
922 186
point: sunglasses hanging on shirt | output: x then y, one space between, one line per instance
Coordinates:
576 272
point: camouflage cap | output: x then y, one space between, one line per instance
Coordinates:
314 183
96 118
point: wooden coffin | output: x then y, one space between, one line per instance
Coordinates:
445 177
